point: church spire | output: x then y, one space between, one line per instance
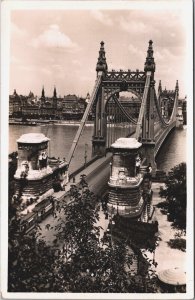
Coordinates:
43 93
54 93
159 87
150 64
101 63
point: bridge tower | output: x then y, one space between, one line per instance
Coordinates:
99 136
142 84
147 138
179 112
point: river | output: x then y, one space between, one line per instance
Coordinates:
172 152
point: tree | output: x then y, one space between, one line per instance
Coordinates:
29 260
78 260
175 194
94 264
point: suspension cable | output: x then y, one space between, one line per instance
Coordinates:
123 110
143 104
164 123
84 118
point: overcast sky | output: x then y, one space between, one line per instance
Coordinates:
61 47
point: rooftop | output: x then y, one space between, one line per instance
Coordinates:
70 98
33 138
126 143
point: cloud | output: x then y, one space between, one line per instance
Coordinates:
17 32
137 52
35 69
45 71
57 66
76 62
54 38
164 55
102 17
163 27
15 60
132 26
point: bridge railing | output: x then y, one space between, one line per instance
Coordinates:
162 137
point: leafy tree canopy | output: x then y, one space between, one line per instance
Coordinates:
175 194
78 261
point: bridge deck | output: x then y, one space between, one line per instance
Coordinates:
97 172
97 169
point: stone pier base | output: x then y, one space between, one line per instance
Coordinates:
98 146
148 152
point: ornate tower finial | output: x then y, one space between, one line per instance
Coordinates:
101 63
54 93
177 86
43 93
150 64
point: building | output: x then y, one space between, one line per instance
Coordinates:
131 105
15 104
73 107
30 107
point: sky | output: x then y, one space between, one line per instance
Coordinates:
60 47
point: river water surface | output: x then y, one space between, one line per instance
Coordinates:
172 152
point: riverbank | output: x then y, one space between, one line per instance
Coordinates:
26 123
35 122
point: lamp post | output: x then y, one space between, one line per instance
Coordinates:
112 210
85 157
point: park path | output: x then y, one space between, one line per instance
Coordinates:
165 256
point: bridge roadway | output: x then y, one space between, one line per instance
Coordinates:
97 174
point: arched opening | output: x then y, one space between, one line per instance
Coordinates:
122 111
131 103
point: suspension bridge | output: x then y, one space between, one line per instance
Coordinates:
145 134
112 120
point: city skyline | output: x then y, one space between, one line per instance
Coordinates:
59 48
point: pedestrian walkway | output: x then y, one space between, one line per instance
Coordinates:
165 256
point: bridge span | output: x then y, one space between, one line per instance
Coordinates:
97 170
142 136
157 115
139 141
